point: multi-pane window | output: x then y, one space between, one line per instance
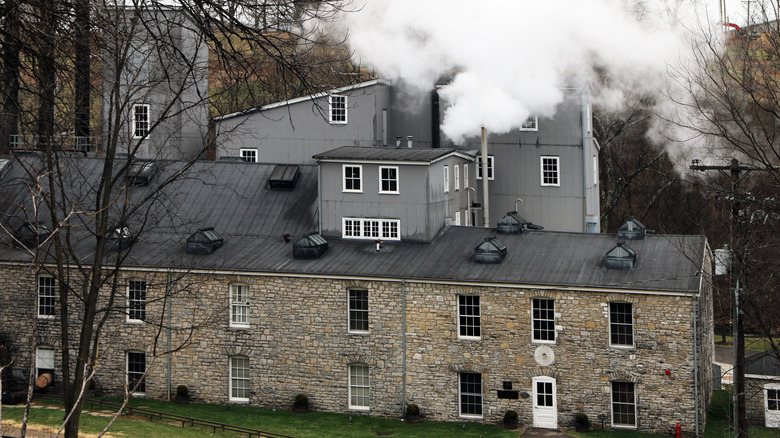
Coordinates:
358 310
46 297
466 176
44 359
470 394
358 386
338 109
545 396
352 178
489 164
550 171
239 305
136 300
773 399
239 378
623 404
249 155
140 120
136 368
357 228
621 325
456 176
543 313
530 124
388 179
469 323
446 179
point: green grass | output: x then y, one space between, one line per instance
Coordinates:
718 425
751 343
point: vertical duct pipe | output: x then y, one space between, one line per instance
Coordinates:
409 140
403 346
435 120
484 164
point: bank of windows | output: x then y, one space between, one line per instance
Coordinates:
352 178
543 316
446 179
239 379
469 318
623 404
338 109
773 399
239 305
470 394
358 228
621 325
490 162
359 387
136 370
47 297
358 310
551 171
140 120
249 155
530 124
388 180
136 301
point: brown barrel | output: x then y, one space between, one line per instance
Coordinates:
44 380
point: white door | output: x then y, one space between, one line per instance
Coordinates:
545 404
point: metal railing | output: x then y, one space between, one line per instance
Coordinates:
65 142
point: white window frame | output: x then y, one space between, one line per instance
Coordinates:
396 181
337 109
466 177
141 127
44 358
368 228
357 314
542 316
234 363
446 179
469 322
142 388
530 124
359 178
359 382
248 155
47 297
457 218
775 398
136 305
464 396
545 173
456 176
613 403
239 305
491 169
615 325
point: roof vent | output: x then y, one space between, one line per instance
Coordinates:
204 241
490 251
632 229
621 257
513 223
284 177
119 239
140 173
312 246
31 235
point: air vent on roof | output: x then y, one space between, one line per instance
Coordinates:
119 239
310 247
632 229
31 235
490 251
140 173
204 241
513 223
284 177
621 257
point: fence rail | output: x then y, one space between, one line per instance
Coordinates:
60 142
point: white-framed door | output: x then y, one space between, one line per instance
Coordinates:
545 403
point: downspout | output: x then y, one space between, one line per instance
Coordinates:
403 346
170 310
585 161
696 365
485 194
319 199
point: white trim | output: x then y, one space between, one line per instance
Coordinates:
234 305
536 124
457 154
230 378
612 408
344 178
356 407
446 179
397 180
491 168
609 326
39 359
539 420
130 300
127 372
456 177
481 396
252 150
349 312
331 109
466 176
555 332
355 227
478 318
53 297
557 160
134 122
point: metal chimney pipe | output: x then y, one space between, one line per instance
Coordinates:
398 142
484 164
409 139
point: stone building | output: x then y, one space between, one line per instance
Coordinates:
762 394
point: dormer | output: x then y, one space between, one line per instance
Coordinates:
31 235
632 229
204 241
621 256
490 251
311 246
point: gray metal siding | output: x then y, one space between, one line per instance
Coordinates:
411 115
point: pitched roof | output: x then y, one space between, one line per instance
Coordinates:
362 153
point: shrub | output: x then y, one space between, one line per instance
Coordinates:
182 391
412 410
581 419
510 416
301 400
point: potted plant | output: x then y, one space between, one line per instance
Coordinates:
182 394
510 419
581 422
301 403
412 413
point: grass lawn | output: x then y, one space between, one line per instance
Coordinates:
751 343
718 425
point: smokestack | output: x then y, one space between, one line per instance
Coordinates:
398 142
409 139
484 164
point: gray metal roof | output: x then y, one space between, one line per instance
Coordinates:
388 154
764 364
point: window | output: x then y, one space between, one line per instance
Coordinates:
457 218
358 311
470 395
140 120
466 176
446 179
456 176
239 305
356 228
44 359
530 124
338 109
136 300
490 167
358 386
550 171
468 317
388 179
136 368
543 314
46 297
621 325
249 155
773 399
239 378
352 182
623 404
